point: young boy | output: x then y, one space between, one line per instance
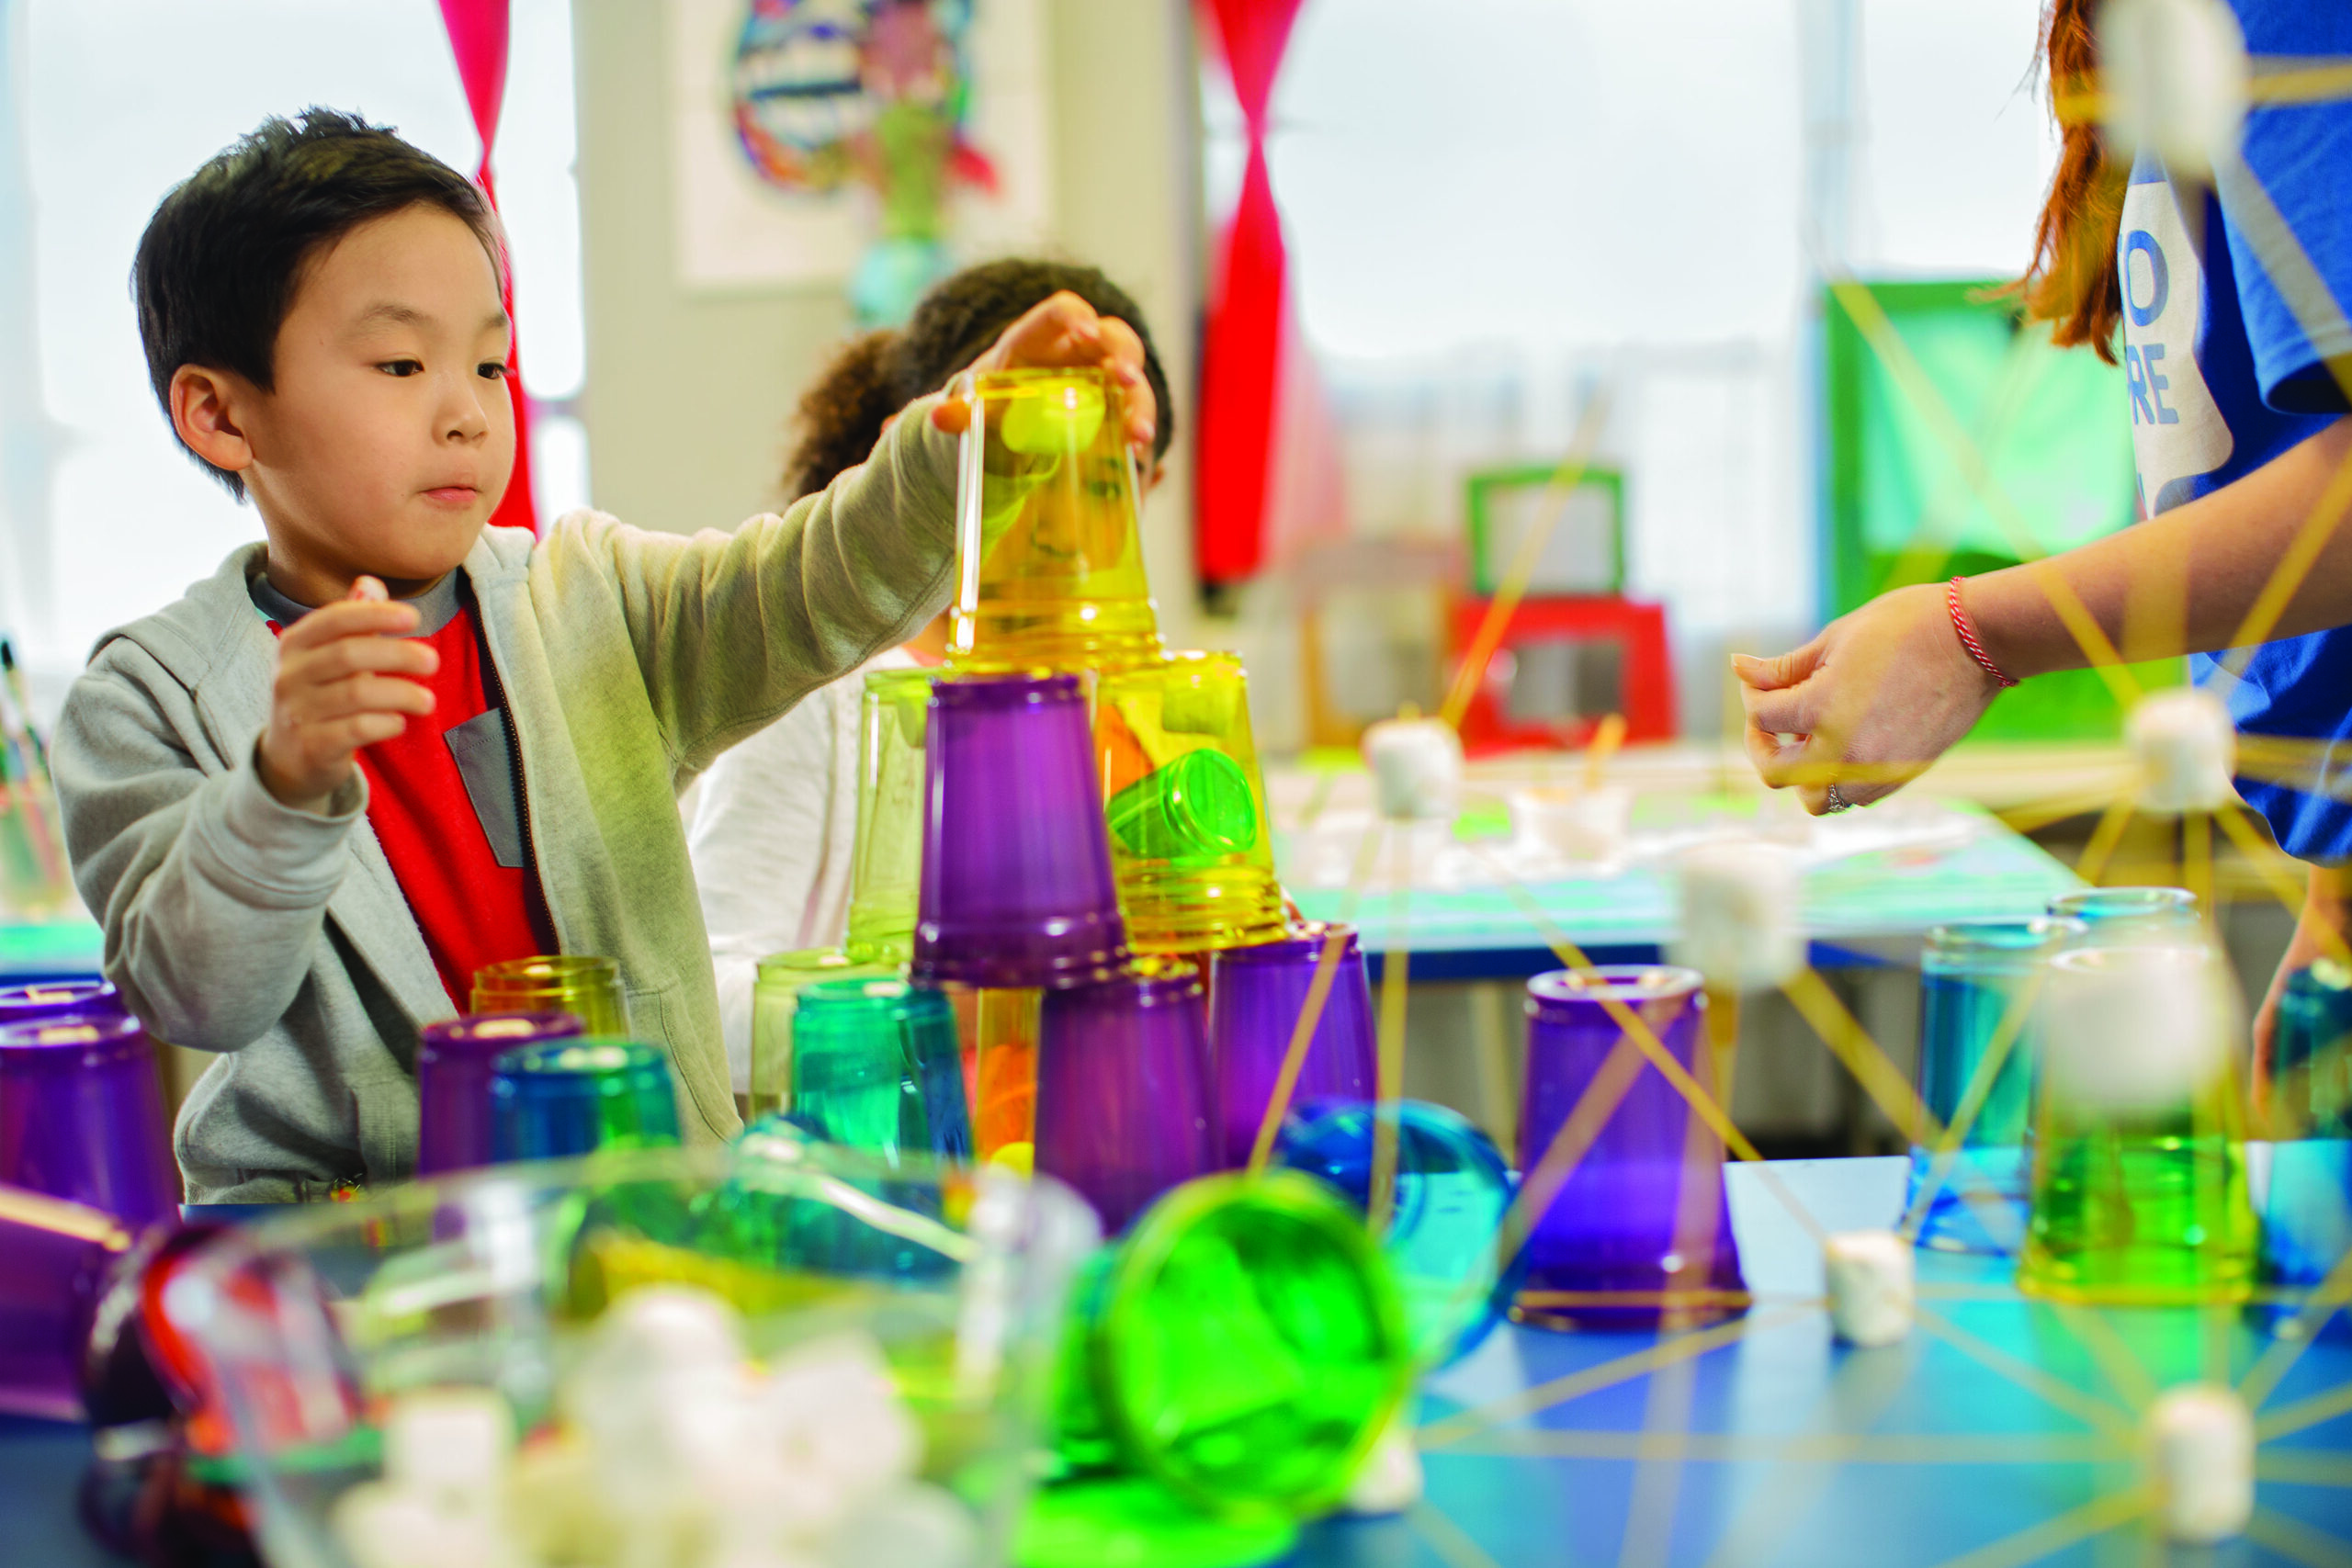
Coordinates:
392 745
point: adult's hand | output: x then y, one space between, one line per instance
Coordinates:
1866 706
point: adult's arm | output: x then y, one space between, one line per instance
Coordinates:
1883 692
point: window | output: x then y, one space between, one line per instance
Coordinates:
112 104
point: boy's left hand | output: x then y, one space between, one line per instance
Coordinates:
1060 334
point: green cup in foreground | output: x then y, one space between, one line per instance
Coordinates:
1243 1346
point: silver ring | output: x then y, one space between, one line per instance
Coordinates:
1837 802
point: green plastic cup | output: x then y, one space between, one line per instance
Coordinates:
775 996
875 1065
1243 1347
886 872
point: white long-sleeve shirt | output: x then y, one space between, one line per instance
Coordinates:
772 837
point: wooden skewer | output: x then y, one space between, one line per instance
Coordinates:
1605 741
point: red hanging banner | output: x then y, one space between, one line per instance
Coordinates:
1240 350
478 35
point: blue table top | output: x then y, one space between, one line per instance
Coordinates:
1998 1435
1980 869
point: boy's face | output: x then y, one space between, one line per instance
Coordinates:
389 436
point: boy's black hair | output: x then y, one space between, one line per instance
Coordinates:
875 375
219 262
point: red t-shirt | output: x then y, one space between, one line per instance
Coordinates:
445 798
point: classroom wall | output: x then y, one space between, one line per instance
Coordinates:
689 392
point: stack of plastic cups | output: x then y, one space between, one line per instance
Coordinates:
874 1067
775 998
578 1097
82 1116
1241 1347
2307 1214
587 987
1256 996
1640 1232
885 873
2114 917
1449 1196
1186 805
454 1060
1978 986
1123 1088
59 999
2138 1174
1047 529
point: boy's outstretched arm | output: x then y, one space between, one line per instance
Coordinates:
731 630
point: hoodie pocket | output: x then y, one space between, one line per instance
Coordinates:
384 1109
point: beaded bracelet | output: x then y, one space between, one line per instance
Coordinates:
1968 635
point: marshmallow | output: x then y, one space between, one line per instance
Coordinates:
842 1434
914 1523
2201 1461
1415 766
2176 79
2187 749
1870 1290
2136 1029
1389 1480
1738 921
452 1444
1580 825
383 1526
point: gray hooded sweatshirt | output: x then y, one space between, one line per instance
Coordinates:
629 660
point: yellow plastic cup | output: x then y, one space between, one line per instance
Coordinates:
586 986
1186 805
1050 547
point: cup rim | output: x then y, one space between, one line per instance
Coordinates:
2123 903
1031 688
1303 939
535 1060
2007 935
1613 982
482 1031
88 1030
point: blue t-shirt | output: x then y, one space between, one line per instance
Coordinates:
2223 378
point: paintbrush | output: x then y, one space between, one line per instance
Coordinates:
33 795
23 702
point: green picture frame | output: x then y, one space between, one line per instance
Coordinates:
1492 542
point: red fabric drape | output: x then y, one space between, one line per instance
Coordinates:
478 34
1240 350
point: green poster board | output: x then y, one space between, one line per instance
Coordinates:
2056 431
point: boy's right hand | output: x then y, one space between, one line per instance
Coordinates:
340 687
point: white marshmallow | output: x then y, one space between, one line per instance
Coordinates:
1389 1481
1415 766
1739 925
1871 1277
1579 824
841 1430
456 1444
2200 1461
914 1523
2137 1029
383 1526
2186 748
2176 79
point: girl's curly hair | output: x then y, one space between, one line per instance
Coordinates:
875 375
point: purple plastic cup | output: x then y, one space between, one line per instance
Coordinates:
55 1261
1016 865
59 999
1641 1230
453 1074
1255 999
1123 1088
82 1116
